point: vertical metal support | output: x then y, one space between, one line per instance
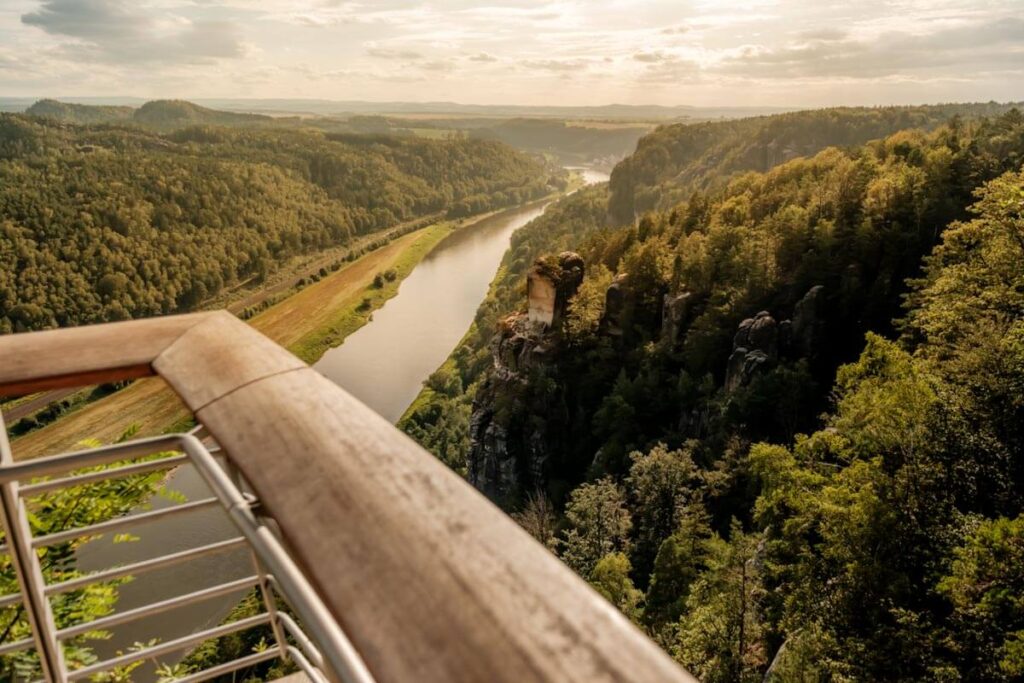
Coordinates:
265 591
270 604
29 573
344 665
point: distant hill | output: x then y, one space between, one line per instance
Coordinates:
621 112
179 113
159 114
569 143
629 112
80 113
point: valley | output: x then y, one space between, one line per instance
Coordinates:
719 382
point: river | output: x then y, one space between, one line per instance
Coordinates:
383 364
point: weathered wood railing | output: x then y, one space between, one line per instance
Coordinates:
429 580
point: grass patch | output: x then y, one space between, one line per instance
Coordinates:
359 308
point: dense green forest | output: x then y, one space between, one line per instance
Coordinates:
569 142
778 423
677 159
106 221
159 114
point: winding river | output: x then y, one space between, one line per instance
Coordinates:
383 364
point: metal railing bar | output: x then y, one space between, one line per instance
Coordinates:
315 675
169 646
228 667
113 473
16 645
270 604
56 464
157 607
10 599
305 644
144 565
121 522
28 572
342 656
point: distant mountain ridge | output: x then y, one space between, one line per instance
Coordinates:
80 113
321 107
157 114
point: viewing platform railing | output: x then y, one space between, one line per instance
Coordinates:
396 569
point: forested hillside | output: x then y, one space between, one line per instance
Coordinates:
572 143
675 160
80 113
106 222
162 115
654 436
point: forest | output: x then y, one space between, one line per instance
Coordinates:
778 422
108 221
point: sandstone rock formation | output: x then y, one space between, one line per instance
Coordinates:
550 284
512 431
675 316
616 302
760 341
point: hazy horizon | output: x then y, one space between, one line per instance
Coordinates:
759 53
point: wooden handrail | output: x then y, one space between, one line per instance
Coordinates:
431 581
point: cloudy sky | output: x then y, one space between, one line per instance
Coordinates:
702 52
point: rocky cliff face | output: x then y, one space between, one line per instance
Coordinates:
516 423
761 341
520 422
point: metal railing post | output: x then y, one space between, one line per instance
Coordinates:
29 572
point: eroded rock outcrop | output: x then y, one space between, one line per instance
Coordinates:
513 429
675 316
550 284
760 341
754 347
616 304
808 321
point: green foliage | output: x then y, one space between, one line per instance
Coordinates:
610 577
599 524
235 646
986 587
103 223
680 561
721 635
587 306
674 160
662 486
880 544
57 511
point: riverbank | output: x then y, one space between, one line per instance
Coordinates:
303 322
307 323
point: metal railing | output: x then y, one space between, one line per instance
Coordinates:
430 581
318 647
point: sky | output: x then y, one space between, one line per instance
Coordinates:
561 52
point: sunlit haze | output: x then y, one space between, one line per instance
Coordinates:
761 52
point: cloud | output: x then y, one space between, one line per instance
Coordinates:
823 34
556 65
113 30
440 65
482 57
993 45
653 57
384 53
